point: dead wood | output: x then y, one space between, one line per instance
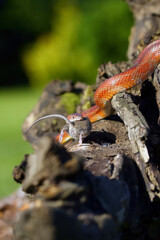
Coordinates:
147 23
114 181
110 190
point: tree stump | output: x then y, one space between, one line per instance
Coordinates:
110 190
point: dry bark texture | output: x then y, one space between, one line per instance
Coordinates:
147 23
110 189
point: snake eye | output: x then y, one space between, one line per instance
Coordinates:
75 117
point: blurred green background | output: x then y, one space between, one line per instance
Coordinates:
42 40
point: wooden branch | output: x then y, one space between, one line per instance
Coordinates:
136 124
138 130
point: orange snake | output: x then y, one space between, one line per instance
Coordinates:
138 73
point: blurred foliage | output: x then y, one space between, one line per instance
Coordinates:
14 105
82 37
66 39
30 16
21 22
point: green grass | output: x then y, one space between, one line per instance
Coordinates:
15 104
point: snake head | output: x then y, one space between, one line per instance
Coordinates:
75 117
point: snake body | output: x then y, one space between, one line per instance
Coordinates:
138 73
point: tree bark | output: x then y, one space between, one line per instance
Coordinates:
109 189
